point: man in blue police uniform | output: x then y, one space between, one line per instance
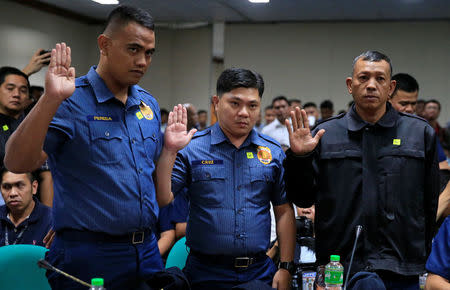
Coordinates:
102 144
374 167
232 173
23 219
438 264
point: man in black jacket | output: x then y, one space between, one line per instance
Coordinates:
373 167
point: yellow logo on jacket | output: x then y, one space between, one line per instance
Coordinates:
146 111
264 154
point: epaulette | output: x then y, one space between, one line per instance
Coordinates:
269 139
413 116
202 133
81 82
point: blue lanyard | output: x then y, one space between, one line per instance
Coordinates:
19 236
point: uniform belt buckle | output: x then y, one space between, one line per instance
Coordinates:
242 262
138 238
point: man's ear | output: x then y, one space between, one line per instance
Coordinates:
104 43
349 82
34 186
215 100
392 87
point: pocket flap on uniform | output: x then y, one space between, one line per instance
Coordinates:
340 154
401 152
208 172
261 173
148 130
105 131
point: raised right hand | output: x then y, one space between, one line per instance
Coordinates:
60 77
176 137
300 138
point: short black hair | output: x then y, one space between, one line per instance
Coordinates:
433 101
421 101
280 98
373 55
202 112
270 107
163 112
234 78
294 100
327 104
31 176
124 14
9 70
36 88
310 104
405 82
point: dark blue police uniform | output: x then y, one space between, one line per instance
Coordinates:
31 231
102 154
439 260
230 190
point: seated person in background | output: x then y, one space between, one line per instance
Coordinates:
438 263
24 220
165 230
180 213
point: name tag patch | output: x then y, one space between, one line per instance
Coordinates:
207 162
92 118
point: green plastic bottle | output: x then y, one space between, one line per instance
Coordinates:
334 273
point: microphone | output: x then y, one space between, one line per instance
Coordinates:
46 265
358 232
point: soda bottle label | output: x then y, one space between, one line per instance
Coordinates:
334 277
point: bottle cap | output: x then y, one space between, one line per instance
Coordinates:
335 258
97 281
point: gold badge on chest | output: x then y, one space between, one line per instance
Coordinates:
146 111
264 154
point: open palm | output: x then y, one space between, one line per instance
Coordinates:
176 137
300 138
60 77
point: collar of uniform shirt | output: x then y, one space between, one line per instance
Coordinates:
101 91
217 136
355 123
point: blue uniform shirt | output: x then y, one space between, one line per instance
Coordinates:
439 260
33 229
102 154
229 190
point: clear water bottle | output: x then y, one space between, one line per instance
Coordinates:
334 274
97 284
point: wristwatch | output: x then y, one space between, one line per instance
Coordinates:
287 266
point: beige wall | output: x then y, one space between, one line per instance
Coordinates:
305 60
23 30
310 61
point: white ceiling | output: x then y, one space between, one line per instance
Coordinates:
276 11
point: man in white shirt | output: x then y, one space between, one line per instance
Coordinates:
277 129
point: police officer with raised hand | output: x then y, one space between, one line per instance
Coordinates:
101 133
232 173
370 168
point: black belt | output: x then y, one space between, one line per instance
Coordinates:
231 261
86 236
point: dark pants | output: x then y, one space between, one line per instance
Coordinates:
203 274
121 265
383 280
